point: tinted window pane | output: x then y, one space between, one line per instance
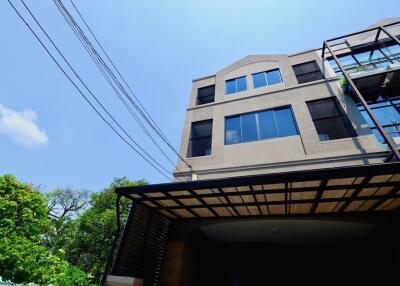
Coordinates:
259 80
323 108
205 94
285 122
201 129
307 72
330 120
306 68
232 130
241 84
274 77
200 139
368 57
393 52
249 127
333 128
333 64
309 77
367 118
260 125
200 147
347 61
266 123
387 115
230 86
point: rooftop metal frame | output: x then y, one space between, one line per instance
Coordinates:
379 29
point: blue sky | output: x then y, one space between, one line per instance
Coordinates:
50 137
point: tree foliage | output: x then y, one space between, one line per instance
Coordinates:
23 225
93 230
23 209
60 238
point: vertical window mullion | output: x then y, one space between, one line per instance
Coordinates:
257 126
241 129
276 125
236 87
266 79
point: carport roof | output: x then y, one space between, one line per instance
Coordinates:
356 189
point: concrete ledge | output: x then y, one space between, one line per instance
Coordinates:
113 280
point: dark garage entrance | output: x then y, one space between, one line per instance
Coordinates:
256 252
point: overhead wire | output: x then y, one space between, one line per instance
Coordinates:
81 92
109 75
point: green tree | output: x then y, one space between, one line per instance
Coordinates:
96 228
23 226
23 209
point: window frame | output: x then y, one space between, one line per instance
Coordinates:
317 70
258 126
266 78
198 97
189 153
341 114
236 84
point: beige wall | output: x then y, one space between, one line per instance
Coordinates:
280 154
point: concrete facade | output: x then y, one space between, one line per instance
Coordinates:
303 151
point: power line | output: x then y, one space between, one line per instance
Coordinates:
102 66
142 109
91 93
77 88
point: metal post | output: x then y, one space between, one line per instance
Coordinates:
377 34
116 236
388 140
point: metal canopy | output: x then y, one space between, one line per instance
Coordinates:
357 189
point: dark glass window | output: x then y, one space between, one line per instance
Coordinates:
386 110
205 94
330 120
307 72
200 139
235 85
266 78
265 124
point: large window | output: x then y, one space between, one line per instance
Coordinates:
200 139
235 85
330 120
379 56
307 72
205 95
261 125
386 109
266 78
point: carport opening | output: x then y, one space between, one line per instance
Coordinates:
254 252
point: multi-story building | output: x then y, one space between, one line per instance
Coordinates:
289 164
275 113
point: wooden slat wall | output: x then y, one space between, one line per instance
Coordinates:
142 247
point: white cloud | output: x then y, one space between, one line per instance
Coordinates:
21 126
